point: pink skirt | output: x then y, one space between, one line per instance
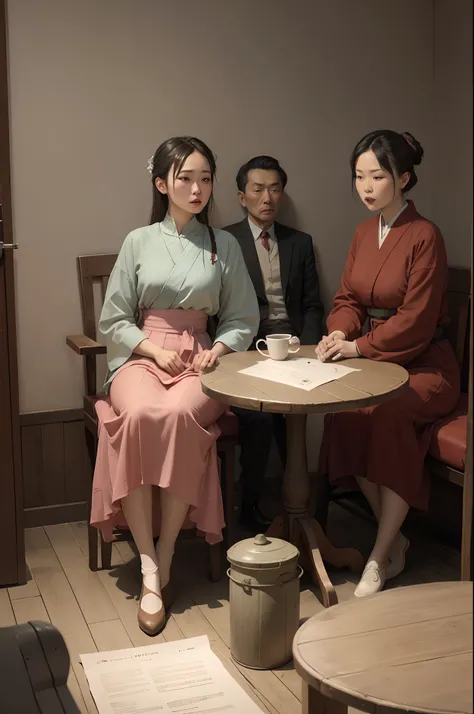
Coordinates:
160 430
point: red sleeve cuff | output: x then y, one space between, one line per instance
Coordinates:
363 347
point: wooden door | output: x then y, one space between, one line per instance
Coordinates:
12 549
467 549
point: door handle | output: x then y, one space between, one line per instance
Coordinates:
3 245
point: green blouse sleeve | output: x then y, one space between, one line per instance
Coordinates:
238 313
117 324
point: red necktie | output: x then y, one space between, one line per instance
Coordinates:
264 236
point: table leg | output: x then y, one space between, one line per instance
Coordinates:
296 525
313 702
279 528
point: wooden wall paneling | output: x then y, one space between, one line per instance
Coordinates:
32 461
55 467
54 478
53 515
76 477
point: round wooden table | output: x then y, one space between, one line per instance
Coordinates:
402 650
374 383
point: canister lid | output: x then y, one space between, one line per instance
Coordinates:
262 552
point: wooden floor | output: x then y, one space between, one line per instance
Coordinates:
97 611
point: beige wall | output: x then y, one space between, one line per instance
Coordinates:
452 117
95 86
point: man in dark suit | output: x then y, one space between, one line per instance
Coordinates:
281 264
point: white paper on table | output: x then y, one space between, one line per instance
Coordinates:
302 372
174 677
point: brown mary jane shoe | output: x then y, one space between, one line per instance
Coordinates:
150 624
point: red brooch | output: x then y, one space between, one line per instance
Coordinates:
213 245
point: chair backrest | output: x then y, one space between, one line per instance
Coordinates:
94 272
467 547
459 300
93 269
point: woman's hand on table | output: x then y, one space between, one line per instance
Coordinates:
204 360
209 358
327 342
335 347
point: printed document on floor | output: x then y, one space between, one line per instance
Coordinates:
173 677
301 372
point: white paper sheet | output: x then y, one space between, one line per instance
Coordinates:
175 677
302 372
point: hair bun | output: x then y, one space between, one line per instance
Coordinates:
415 146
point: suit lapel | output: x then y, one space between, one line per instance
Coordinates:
247 244
285 251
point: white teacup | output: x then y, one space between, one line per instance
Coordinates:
279 346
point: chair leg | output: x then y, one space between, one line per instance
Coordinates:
322 500
93 544
105 554
228 489
226 455
466 537
92 533
215 562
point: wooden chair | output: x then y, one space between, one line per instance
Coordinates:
451 466
449 456
93 270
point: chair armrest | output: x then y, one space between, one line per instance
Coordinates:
84 345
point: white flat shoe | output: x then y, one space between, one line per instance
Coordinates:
372 580
396 558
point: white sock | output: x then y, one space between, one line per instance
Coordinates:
151 602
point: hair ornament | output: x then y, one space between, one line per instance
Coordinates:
149 166
410 143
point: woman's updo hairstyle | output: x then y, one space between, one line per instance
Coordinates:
396 153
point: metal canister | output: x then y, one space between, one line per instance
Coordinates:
264 601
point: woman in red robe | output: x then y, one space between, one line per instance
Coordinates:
395 278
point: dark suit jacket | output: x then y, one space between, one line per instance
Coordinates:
299 277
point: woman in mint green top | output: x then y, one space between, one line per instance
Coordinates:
159 268
157 428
